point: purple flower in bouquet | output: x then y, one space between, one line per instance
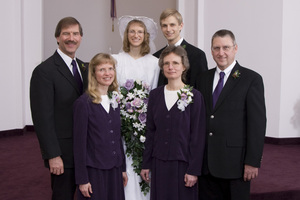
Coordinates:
137 102
129 108
143 117
146 86
145 101
129 84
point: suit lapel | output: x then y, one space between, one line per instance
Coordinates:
209 88
184 44
229 86
65 71
84 72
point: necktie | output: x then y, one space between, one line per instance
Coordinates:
218 88
77 76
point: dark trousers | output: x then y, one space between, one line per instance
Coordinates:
63 186
212 188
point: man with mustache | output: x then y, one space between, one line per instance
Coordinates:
55 84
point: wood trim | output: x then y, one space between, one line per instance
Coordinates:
15 132
282 141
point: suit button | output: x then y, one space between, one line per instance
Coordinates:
111 131
168 116
210 134
212 116
113 142
166 142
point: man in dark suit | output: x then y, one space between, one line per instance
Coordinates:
171 24
53 89
236 123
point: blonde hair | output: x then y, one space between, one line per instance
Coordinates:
171 12
92 91
145 48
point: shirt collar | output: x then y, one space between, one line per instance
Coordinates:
66 58
178 42
228 70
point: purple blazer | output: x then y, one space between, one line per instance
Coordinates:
175 134
97 138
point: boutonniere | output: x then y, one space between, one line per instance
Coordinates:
184 97
82 66
236 74
114 99
184 46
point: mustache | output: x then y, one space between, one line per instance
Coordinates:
70 42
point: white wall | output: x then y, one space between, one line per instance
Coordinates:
11 78
289 115
267 38
31 50
20 51
258 30
94 16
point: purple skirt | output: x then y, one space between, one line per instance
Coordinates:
167 181
106 184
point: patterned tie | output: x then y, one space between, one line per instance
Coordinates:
218 88
77 76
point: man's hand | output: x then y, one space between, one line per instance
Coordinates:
250 172
56 166
145 175
190 180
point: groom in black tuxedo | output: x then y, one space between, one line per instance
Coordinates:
55 84
236 123
171 24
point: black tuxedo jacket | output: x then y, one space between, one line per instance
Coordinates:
53 90
236 126
197 60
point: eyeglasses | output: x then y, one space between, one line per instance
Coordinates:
224 48
174 64
133 32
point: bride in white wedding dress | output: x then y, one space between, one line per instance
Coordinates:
136 62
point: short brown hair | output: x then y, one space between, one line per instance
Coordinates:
179 51
223 33
65 22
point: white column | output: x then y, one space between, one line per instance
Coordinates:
32 35
11 73
289 116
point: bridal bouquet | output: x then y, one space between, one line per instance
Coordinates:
134 100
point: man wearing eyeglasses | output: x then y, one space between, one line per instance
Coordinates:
236 123
171 24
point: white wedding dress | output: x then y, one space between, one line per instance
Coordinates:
144 69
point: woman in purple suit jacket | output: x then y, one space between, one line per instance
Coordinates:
100 170
175 135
